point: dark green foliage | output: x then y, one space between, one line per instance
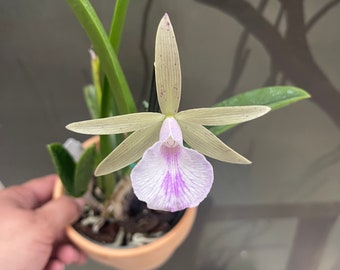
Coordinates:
275 97
74 176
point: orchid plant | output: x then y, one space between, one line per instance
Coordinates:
169 176
165 172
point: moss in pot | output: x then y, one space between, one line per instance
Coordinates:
138 176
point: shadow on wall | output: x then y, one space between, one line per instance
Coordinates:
290 52
291 62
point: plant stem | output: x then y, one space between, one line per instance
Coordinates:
117 24
110 64
153 101
116 30
115 90
108 101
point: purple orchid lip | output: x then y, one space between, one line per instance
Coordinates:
172 177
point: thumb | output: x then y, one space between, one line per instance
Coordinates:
60 212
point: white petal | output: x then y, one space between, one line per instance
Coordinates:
219 116
116 124
130 150
205 142
167 68
172 179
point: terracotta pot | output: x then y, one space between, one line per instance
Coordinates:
149 256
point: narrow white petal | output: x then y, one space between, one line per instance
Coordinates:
130 150
205 142
219 116
167 68
116 124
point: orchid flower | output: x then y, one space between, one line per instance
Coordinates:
169 175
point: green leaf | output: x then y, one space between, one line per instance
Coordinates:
84 171
118 20
64 165
91 100
88 18
275 97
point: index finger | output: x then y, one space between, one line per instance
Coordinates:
31 194
59 213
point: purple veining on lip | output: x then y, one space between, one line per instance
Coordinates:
173 183
170 176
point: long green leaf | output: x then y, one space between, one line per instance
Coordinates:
89 20
64 165
275 97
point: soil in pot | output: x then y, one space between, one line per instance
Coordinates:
134 225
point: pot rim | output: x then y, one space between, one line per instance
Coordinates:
186 220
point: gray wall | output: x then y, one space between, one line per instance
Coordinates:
44 64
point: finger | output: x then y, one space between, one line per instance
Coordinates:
59 213
55 265
31 194
82 258
68 254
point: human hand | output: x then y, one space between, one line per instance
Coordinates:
32 227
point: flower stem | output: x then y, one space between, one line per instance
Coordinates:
116 30
108 101
153 101
109 60
117 24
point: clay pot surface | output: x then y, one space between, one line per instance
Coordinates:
149 256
